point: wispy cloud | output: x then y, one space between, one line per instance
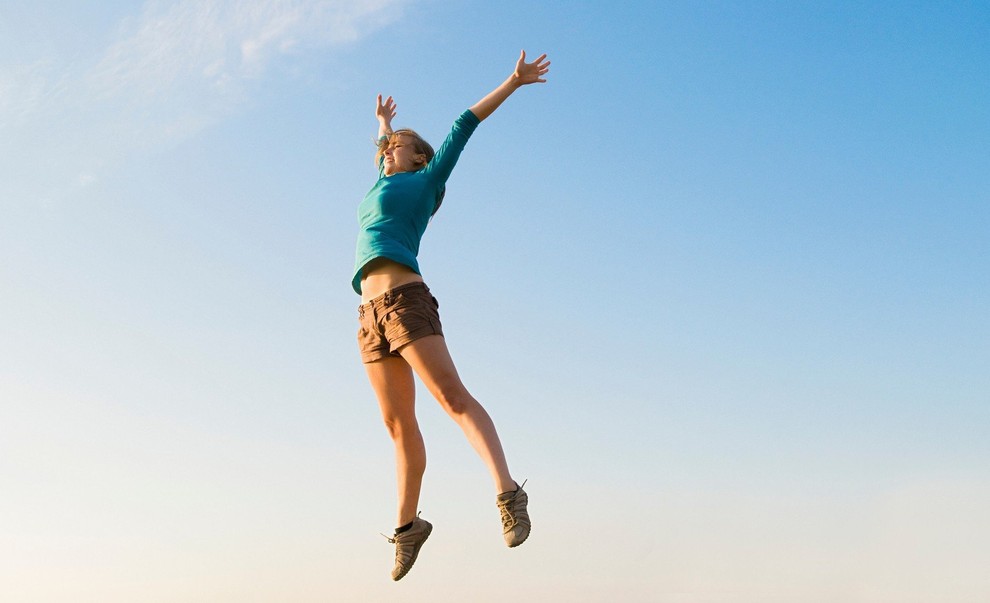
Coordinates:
168 73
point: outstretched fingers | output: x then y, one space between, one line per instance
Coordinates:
531 73
385 109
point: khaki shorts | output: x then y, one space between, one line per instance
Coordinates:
395 318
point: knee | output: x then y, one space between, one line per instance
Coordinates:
400 428
455 400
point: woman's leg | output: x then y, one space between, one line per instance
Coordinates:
431 360
392 380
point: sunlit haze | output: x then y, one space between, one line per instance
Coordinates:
723 283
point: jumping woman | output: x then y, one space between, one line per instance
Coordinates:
400 332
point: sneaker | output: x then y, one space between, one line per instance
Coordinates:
407 545
515 518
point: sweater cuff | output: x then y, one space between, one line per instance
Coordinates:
469 118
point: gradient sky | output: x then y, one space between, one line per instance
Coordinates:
723 284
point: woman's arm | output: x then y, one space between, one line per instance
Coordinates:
385 112
525 73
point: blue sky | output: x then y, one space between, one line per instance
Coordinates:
722 284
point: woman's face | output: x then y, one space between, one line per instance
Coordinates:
401 156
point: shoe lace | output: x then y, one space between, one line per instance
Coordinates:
395 538
507 519
506 510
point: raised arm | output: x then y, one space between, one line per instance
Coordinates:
525 73
385 111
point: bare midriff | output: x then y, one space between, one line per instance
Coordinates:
382 274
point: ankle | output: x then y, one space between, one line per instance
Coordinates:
514 487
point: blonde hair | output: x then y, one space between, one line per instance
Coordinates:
419 144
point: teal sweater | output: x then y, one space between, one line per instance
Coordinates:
394 214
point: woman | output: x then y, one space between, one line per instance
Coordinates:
400 330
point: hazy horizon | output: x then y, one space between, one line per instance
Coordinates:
722 284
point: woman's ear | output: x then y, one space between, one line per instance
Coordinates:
421 159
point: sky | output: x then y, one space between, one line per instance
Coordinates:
723 283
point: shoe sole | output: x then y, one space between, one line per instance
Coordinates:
525 538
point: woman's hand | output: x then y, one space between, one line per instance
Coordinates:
529 73
525 73
385 111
